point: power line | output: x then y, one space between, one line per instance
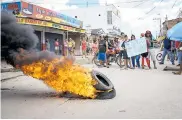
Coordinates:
150 11
88 2
174 3
140 4
154 7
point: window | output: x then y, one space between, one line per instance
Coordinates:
109 17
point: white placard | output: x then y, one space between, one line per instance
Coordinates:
136 47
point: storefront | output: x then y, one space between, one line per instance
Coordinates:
47 24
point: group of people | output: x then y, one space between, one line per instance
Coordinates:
129 62
172 48
57 46
87 47
68 48
102 46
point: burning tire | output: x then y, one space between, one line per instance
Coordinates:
106 94
103 83
104 86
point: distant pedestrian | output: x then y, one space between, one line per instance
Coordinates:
47 45
180 59
70 47
84 48
103 47
177 46
66 47
73 47
94 49
167 43
56 46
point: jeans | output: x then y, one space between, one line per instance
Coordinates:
165 52
179 54
137 58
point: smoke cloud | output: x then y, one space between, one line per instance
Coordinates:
19 42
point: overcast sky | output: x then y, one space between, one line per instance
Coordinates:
135 18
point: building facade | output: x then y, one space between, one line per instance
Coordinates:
106 17
47 24
168 24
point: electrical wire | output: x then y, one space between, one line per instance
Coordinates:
149 11
90 3
154 7
174 3
140 4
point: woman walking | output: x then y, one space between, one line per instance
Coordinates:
94 49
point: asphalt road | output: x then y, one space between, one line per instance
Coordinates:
140 94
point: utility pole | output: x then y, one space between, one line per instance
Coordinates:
160 30
160 27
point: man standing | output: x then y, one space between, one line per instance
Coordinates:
66 47
179 58
167 50
73 47
56 44
103 47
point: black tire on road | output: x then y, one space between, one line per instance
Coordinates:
104 83
106 95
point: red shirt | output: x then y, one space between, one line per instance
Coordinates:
177 44
84 45
56 44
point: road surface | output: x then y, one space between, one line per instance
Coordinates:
140 94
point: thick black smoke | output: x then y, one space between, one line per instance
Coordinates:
18 42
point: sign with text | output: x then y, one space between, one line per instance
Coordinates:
136 47
29 10
48 24
37 12
14 8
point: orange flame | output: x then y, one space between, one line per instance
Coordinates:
63 76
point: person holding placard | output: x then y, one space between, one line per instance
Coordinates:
125 55
137 57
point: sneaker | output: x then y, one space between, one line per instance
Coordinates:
173 63
161 63
178 65
155 67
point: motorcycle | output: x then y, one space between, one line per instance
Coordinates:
114 57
